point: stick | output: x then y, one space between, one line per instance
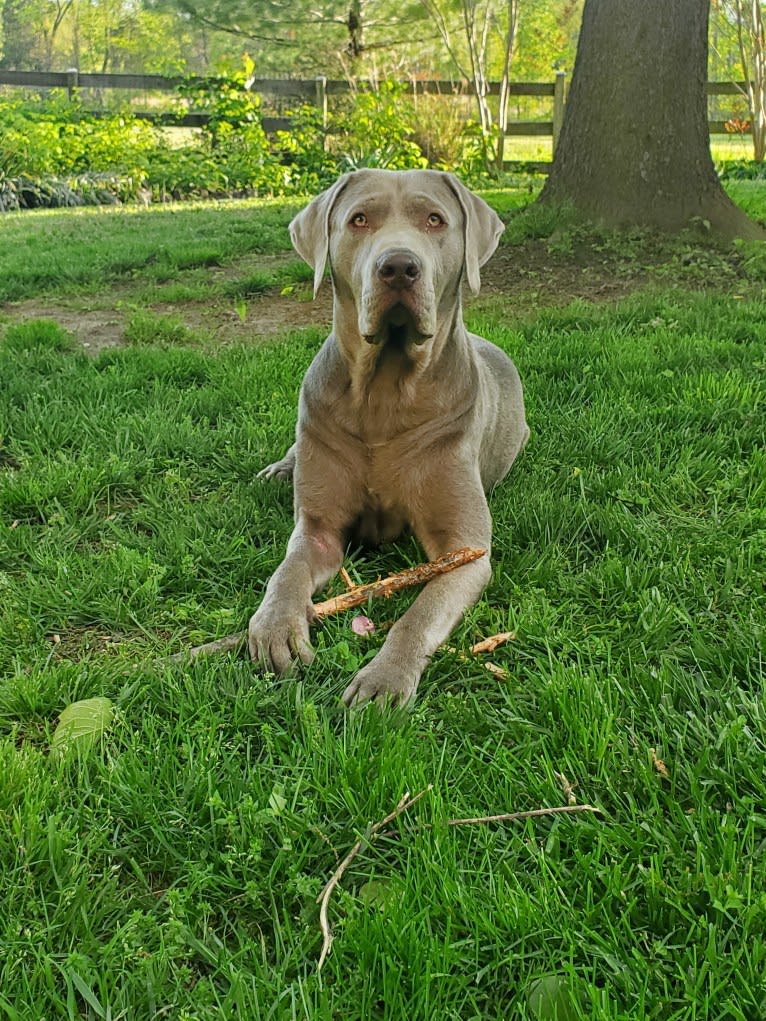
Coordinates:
531 814
324 897
483 820
417 575
375 830
491 643
486 645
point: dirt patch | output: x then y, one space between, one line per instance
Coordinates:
530 275
263 317
96 330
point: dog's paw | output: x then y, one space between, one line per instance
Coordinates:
283 469
385 684
276 640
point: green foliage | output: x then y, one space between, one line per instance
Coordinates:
227 101
304 151
56 137
376 131
54 153
742 170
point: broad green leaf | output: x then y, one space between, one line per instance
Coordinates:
378 893
81 725
550 998
277 799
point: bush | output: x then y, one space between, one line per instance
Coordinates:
53 152
377 131
59 137
742 170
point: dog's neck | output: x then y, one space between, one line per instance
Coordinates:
393 376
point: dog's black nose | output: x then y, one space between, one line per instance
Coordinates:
399 268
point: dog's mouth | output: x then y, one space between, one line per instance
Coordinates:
398 327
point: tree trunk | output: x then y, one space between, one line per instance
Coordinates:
634 147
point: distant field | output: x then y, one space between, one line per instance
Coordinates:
723 147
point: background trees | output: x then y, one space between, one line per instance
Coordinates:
333 37
634 148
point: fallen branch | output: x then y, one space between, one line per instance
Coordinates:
375 831
417 575
324 897
531 814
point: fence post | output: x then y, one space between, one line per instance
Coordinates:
72 78
558 107
321 87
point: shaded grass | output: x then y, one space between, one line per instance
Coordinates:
174 873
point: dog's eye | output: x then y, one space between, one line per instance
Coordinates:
436 220
359 220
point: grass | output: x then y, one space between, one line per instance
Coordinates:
173 871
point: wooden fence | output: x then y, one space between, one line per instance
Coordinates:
319 91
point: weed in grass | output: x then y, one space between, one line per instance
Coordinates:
160 330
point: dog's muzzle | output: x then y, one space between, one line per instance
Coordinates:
397 307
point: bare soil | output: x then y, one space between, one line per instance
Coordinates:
527 275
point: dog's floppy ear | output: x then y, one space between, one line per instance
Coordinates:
483 228
310 229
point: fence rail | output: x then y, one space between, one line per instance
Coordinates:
318 90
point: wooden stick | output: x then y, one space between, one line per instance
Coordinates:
531 814
324 897
375 830
417 575
483 820
486 645
491 643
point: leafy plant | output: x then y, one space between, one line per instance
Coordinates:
376 131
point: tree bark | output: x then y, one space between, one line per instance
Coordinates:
634 147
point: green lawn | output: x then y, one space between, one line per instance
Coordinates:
173 871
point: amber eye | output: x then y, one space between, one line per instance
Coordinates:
435 220
359 220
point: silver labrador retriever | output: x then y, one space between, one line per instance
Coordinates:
405 420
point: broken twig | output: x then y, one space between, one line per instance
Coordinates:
486 645
531 814
375 831
324 897
417 575
491 643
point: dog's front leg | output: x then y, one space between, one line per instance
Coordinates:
279 629
395 672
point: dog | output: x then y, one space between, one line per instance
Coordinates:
405 420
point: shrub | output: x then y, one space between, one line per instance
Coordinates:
53 152
376 131
742 170
58 137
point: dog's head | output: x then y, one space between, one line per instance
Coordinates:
399 243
